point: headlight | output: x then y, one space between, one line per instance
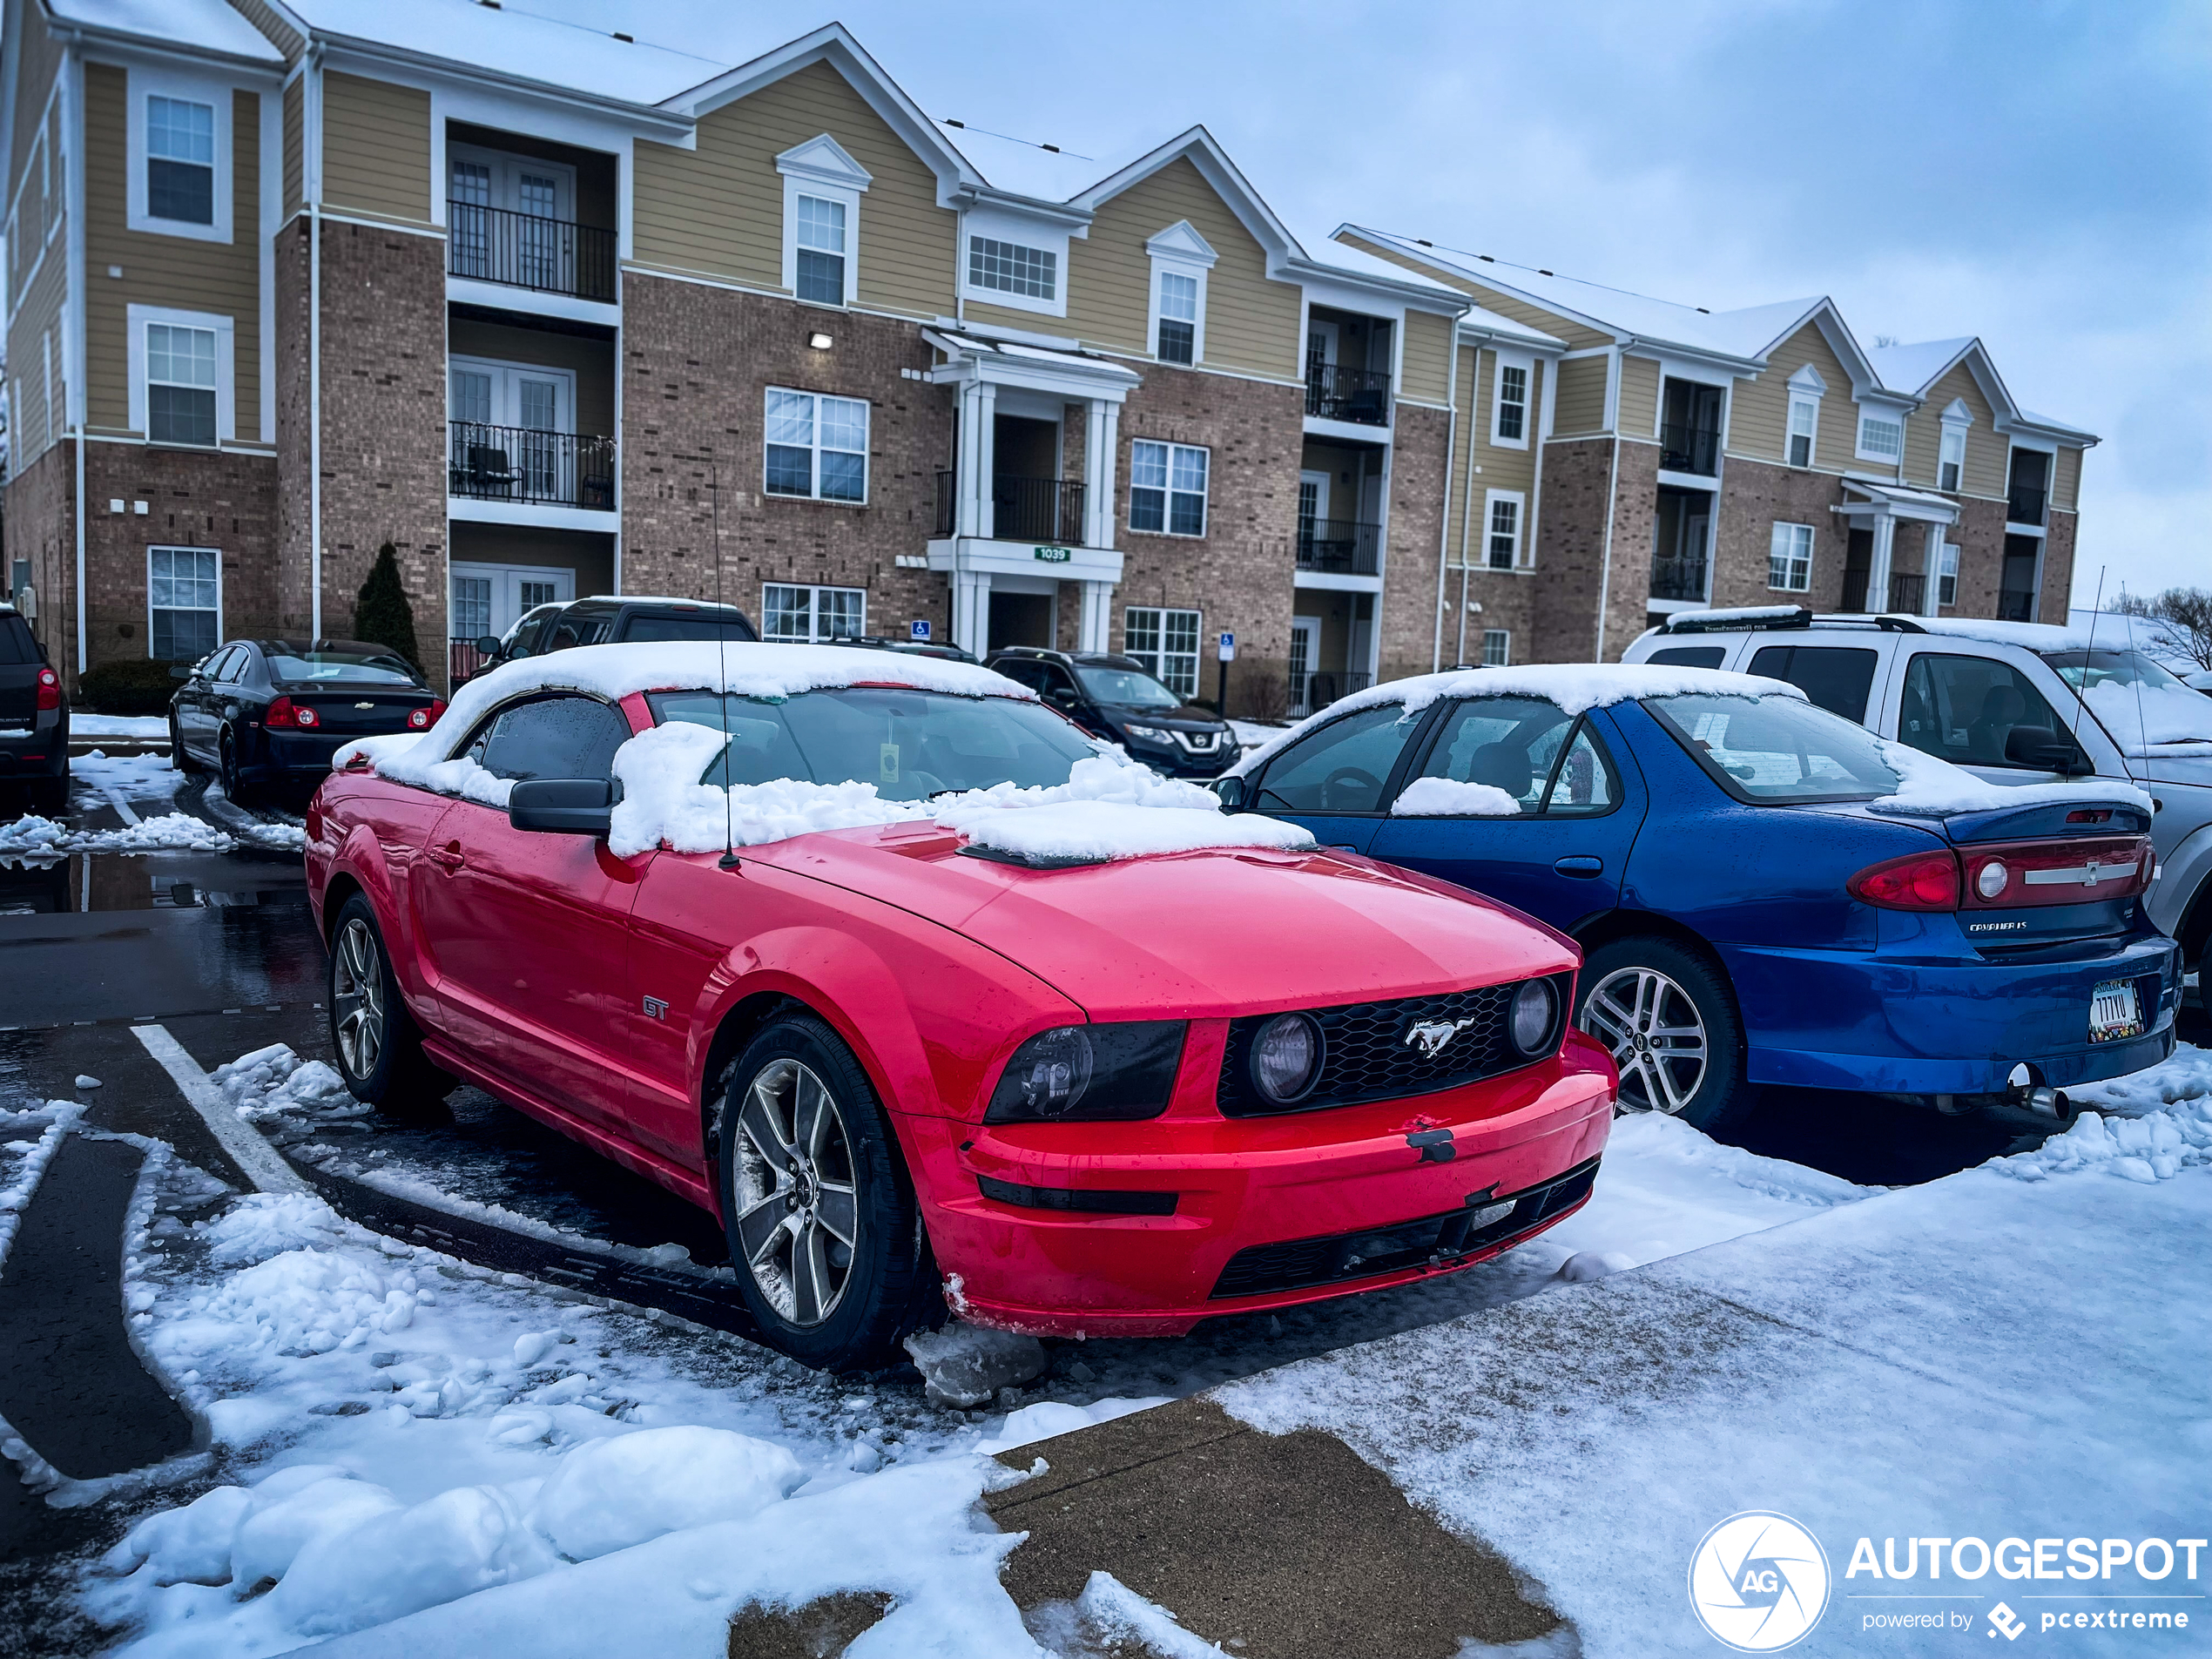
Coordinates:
1989 881
1090 1074
1532 1023
1149 733
1287 1058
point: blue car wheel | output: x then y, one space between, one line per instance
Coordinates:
1667 1017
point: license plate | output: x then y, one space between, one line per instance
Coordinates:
2114 1013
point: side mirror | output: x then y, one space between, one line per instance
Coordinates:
488 645
2027 746
180 670
1232 791
562 805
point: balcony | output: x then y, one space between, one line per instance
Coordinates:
1339 547
2024 504
1310 693
523 251
1678 579
1690 449
1334 392
1049 510
522 464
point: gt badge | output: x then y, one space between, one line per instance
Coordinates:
1431 1035
655 1009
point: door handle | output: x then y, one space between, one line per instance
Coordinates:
449 856
1581 864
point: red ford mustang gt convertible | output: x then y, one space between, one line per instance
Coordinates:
883 962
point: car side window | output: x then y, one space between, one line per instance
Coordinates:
218 668
550 737
1691 656
1055 683
1835 677
1020 672
235 669
1965 709
1344 767
1513 744
1583 784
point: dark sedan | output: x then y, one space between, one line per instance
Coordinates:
265 712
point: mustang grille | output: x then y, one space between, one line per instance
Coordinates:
1300 1263
1368 1052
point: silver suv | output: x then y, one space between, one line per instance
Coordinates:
2013 702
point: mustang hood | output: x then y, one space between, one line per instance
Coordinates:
1193 934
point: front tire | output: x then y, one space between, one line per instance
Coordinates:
1666 1014
180 756
823 1230
233 779
378 1045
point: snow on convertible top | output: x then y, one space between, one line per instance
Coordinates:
1576 688
1110 807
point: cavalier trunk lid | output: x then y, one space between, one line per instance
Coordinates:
345 709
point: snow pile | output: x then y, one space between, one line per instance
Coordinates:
2154 1124
964 1365
418 760
615 1493
32 836
664 803
28 1142
1448 797
1049 1419
272 1081
1930 787
1575 688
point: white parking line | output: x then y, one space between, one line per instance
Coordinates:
264 1166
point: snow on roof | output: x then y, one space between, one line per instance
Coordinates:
210 25
1909 368
1027 169
2030 635
1574 687
1485 320
1358 262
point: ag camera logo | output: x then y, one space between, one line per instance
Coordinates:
1758 1582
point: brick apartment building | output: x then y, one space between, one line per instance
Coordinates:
285 283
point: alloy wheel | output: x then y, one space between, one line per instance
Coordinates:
357 995
799 1214
227 765
1656 1036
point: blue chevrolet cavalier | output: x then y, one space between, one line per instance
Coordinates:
1764 892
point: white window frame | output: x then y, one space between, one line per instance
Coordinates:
1160 657
138 317
1954 434
506 395
142 85
1169 492
1947 575
1799 545
506 604
867 468
1503 639
813 590
506 168
997 225
1518 500
1179 251
1805 388
180 547
822 168
1893 419
1526 365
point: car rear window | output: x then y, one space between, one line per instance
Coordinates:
17 645
349 667
648 630
911 744
1775 750
1835 677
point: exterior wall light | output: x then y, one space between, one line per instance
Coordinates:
819 340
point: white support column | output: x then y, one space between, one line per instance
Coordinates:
987 399
1099 467
971 610
972 479
1878 571
1097 628
1094 498
1931 561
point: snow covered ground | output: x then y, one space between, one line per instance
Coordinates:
419 1454
118 726
141 790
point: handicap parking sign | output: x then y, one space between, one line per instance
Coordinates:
918 630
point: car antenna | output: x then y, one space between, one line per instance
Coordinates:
722 661
2088 651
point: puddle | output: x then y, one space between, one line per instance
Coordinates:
84 882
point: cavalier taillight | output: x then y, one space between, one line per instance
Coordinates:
423 719
1918 881
291 715
49 689
2006 875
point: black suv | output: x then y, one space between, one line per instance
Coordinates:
605 619
34 717
1116 698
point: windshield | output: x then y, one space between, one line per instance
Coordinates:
1776 749
910 744
2135 697
1127 687
650 630
354 667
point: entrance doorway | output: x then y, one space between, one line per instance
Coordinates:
1020 619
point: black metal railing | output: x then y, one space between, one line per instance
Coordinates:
462 659
2024 504
1678 578
526 251
1023 509
1908 592
1318 688
523 464
1339 546
1690 449
948 507
2012 605
1334 392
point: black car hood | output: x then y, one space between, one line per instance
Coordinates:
1191 717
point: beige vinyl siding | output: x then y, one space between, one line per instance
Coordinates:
375 148
38 58
1474 364
1582 396
221 278
1759 409
2065 487
1501 468
1424 370
1639 410
279 33
718 210
1578 335
1984 473
1252 322
295 146
40 312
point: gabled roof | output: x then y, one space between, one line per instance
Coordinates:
1915 368
197 25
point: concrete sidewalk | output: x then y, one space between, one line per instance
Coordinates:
1982 1357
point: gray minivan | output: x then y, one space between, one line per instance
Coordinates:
2013 702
